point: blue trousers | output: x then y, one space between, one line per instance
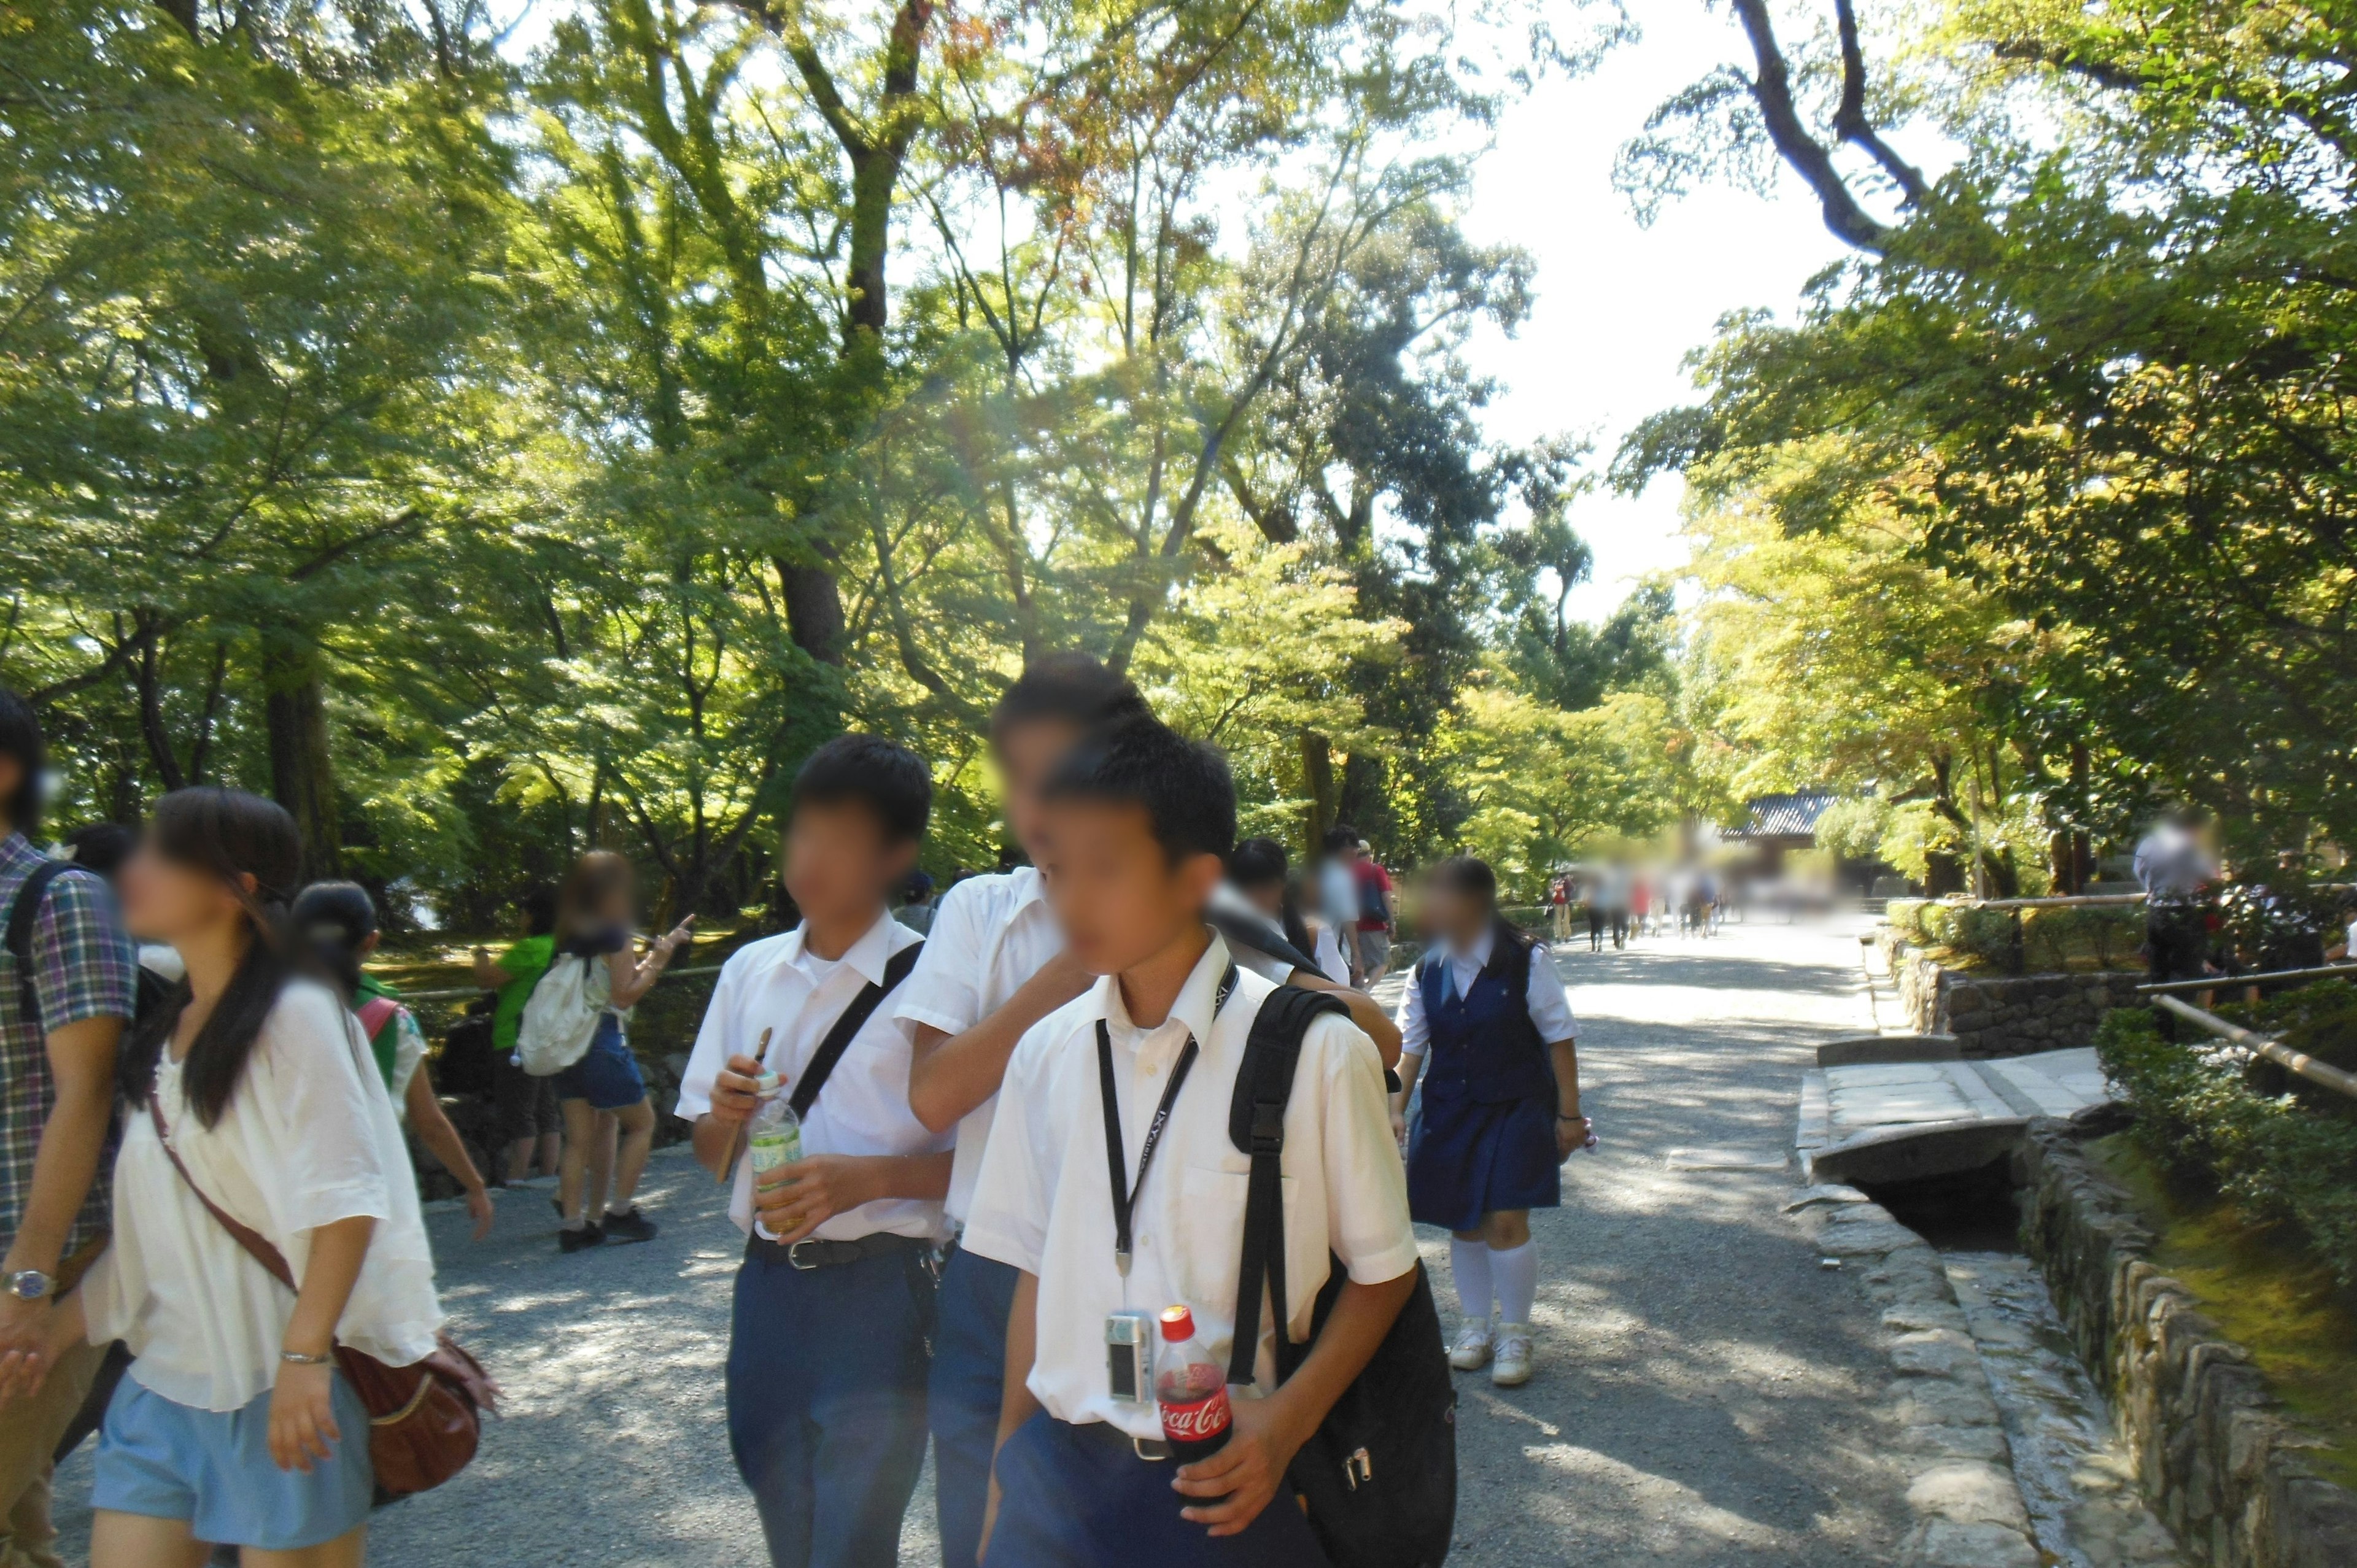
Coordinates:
826 1403
1070 1499
969 1374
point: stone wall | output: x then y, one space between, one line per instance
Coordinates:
2219 1461
2004 1015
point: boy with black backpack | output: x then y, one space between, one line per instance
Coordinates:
1131 1088
834 1299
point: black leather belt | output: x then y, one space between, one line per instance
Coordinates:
1154 1450
813 1253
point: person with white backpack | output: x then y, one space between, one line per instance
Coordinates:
575 1028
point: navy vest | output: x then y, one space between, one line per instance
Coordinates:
1484 1047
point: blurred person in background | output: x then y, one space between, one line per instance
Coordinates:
524 1110
2177 871
1375 915
916 910
609 1123
339 921
1337 889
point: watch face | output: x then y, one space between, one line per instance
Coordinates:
30 1286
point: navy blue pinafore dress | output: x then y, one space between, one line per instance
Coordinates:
1484 1139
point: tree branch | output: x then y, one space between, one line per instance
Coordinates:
1850 123
1772 89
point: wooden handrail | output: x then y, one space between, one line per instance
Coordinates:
2283 1056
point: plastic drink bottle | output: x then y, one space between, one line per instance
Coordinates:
774 1136
1191 1390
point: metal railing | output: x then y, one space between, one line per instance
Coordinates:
2232 981
2298 1062
460 993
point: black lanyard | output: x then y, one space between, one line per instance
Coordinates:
1125 1195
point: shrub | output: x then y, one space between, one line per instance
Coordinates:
2050 938
2200 1116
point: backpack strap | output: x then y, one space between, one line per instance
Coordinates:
376 1013
22 914
1256 1127
854 1017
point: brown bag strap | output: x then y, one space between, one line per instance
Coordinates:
257 1246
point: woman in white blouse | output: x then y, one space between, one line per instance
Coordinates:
233 1425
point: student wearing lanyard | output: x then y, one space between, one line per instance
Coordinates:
834 1298
1146 1062
994 965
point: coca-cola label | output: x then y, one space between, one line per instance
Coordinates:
1198 1421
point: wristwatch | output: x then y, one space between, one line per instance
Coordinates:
30 1284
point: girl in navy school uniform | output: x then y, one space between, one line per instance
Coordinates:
1486 1024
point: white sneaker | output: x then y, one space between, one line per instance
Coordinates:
1512 1368
1472 1348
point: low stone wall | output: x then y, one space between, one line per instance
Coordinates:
2004 1015
2218 1460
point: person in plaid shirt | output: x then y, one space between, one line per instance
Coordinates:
57 1105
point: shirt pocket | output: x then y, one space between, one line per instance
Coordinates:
1205 1256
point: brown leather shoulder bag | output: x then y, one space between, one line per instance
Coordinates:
424 1419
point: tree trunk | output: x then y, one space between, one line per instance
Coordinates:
1318 787
813 610
302 767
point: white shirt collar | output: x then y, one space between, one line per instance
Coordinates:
866 957
1476 956
1198 1002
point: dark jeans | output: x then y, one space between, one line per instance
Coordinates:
2176 942
969 1375
826 1403
1068 1499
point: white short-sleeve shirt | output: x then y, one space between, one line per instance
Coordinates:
307 1138
1550 1009
1044 1204
990 934
778 984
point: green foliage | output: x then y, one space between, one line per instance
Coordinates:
2198 1116
2103 371
497 457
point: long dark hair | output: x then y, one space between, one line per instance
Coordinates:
231 835
334 919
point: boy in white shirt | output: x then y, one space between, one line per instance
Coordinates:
994 965
1487 1026
834 1299
1133 851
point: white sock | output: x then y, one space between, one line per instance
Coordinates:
1517 1273
1468 1264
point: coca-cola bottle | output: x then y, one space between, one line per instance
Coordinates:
1191 1390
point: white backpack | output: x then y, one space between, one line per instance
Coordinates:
560 1018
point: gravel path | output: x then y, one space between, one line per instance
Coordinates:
1700 1388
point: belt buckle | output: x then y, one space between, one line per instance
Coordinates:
794 1254
1153 1450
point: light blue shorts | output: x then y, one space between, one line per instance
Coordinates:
213 1468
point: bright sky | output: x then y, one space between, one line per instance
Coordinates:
1619 305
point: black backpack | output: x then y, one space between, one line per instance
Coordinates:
153 988
1380 1475
465 1066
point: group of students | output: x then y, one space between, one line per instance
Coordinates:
1079 1017
944 1261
